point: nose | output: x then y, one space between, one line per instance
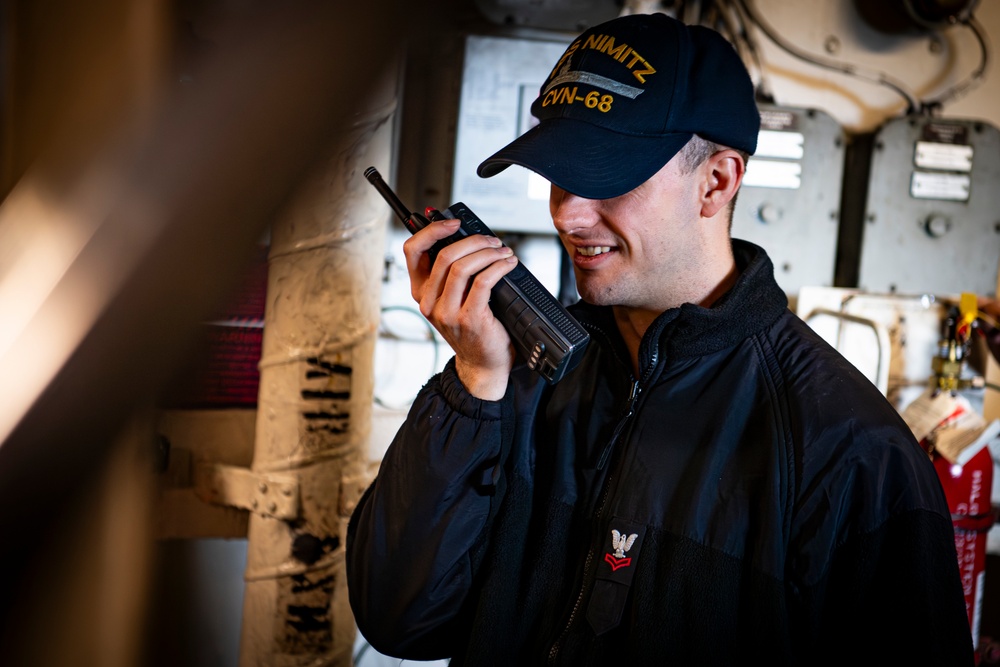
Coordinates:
570 213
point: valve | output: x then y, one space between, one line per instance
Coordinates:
954 346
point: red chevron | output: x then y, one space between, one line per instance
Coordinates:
616 563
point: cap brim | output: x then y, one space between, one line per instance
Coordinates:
586 160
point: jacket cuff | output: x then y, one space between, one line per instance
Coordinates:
467 405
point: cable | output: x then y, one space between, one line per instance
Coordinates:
431 336
733 18
977 76
913 105
361 651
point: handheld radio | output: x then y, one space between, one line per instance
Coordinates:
549 339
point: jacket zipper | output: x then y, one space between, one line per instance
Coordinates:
624 421
654 357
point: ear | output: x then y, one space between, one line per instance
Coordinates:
723 173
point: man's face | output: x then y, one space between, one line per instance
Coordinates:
630 250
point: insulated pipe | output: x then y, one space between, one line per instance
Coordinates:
139 222
315 398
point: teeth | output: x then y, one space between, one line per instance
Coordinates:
593 250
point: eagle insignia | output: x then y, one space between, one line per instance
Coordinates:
621 544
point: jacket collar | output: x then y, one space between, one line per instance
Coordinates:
753 304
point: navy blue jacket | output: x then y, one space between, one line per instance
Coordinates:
750 497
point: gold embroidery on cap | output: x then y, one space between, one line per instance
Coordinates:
565 56
620 52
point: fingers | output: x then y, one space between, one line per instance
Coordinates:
462 277
454 293
484 354
459 260
499 262
417 247
429 235
454 296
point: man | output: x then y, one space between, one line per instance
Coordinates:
713 484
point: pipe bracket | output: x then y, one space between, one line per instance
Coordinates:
267 494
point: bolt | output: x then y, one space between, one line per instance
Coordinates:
768 213
936 225
272 507
262 487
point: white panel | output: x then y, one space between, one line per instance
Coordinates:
500 80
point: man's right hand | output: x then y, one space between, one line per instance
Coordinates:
454 296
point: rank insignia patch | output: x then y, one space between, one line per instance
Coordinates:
621 550
620 543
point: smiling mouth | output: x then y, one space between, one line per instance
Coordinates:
593 251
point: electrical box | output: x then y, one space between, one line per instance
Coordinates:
500 79
932 218
790 199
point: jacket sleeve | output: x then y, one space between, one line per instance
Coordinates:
411 540
892 592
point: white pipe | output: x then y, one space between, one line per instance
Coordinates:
316 395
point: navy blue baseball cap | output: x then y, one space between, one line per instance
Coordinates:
624 97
